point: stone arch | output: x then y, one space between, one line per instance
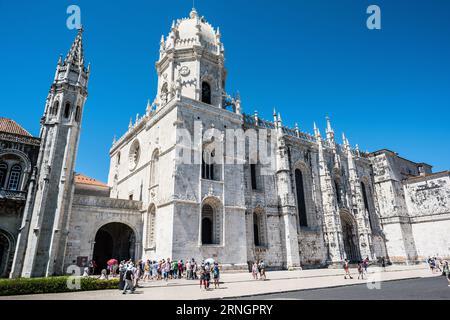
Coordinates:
369 204
7 248
211 213
117 240
206 91
349 236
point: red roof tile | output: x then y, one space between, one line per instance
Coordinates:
10 126
82 179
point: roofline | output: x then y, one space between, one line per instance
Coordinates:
381 151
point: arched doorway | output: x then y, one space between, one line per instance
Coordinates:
349 237
113 241
6 253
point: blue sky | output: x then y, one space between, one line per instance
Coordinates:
387 88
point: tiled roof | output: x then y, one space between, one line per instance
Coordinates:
82 179
10 126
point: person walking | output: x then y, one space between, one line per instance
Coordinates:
262 270
216 275
188 270
194 269
129 277
446 271
347 270
146 271
255 270
207 275
366 264
360 270
167 270
202 276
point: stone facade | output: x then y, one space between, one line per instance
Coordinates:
312 202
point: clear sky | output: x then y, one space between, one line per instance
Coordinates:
387 88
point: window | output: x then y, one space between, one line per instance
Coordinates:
256 235
130 197
54 109
207 165
67 111
301 198
366 203
3 172
207 224
253 176
206 92
338 192
118 158
78 114
154 168
164 93
14 178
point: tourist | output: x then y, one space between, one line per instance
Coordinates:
174 268
360 270
202 276
155 270
146 271
86 272
188 270
122 270
92 266
167 269
366 264
446 271
114 269
194 269
104 275
255 270
129 277
262 270
207 275
216 275
180 269
347 270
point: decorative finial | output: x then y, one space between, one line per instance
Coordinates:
193 13
130 125
329 129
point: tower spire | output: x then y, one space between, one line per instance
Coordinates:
75 56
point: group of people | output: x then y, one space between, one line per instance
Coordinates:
259 269
362 268
438 265
131 273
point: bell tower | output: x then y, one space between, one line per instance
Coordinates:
42 239
191 63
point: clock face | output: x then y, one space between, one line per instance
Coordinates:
184 71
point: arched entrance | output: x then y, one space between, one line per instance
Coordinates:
113 241
349 237
6 253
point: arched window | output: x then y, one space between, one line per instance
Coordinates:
118 158
164 93
154 168
54 109
301 198
366 203
151 219
78 114
67 111
207 224
207 165
3 172
338 192
206 92
256 231
14 178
